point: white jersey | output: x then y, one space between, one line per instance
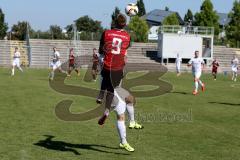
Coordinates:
235 63
56 56
196 64
16 55
56 61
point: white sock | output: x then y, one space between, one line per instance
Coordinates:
12 71
122 131
196 85
130 110
106 112
200 82
20 69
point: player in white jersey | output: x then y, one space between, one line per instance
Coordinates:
178 64
16 61
123 101
197 64
235 63
55 64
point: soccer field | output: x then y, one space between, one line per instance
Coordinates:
177 125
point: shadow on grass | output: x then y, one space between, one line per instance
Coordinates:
184 93
225 103
62 146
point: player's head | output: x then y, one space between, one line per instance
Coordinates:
121 21
196 54
54 49
16 49
94 50
178 55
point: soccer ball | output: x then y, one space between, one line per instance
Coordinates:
131 9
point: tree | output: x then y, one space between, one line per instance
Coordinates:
207 16
188 17
166 8
138 29
141 8
3 25
19 31
56 32
114 16
233 28
172 19
87 24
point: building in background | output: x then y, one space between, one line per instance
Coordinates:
155 18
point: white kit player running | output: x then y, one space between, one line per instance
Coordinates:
55 64
178 64
123 101
235 63
16 61
197 64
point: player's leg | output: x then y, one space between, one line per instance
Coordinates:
52 72
235 76
121 127
104 79
130 101
196 86
215 75
178 71
13 70
108 102
94 74
195 79
19 66
198 76
69 71
76 70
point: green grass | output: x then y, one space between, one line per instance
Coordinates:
27 114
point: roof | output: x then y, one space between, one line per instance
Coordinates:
223 18
156 17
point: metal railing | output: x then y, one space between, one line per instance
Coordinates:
186 30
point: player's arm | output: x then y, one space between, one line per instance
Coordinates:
189 63
101 46
203 64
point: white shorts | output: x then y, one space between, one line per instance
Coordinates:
121 106
55 65
197 74
234 69
16 62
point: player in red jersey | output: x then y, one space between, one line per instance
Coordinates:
215 66
72 65
95 60
113 45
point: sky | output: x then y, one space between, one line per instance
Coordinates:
43 13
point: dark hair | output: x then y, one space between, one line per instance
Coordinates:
121 21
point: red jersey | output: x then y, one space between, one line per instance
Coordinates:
114 44
215 66
71 59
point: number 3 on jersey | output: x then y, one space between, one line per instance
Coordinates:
116 45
